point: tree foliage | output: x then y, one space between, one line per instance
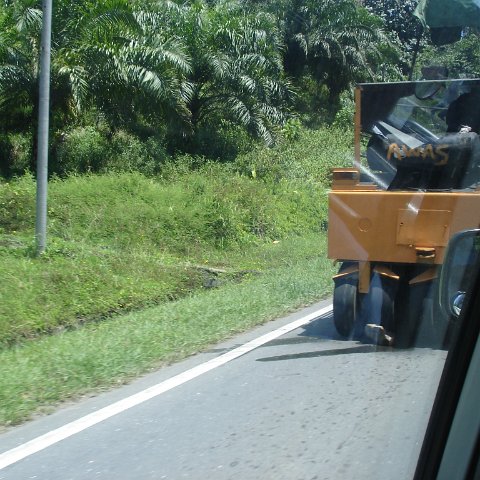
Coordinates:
462 58
154 63
338 41
182 69
402 26
398 18
236 70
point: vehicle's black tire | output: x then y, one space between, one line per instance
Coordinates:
380 297
388 310
410 313
345 305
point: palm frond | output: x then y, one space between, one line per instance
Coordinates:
77 77
28 19
239 109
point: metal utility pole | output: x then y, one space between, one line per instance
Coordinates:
43 126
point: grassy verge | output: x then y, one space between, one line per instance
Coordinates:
122 241
40 373
126 283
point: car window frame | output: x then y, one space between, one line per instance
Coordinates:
458 388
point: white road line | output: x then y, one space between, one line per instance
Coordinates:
40 443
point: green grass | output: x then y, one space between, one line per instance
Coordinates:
123 241
125 283
309 159
40 373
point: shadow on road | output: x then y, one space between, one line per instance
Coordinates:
320 330
326 353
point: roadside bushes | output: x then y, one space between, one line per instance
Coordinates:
309 158
240 210
211 206
129 153
264 194
94 148
17 204
80 150
16 154
123 239
85 149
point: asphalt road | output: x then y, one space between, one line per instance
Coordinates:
306 405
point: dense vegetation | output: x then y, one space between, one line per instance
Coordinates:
135 82
121 241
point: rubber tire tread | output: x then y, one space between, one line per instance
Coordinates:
345 305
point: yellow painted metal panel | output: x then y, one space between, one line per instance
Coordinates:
364 226
428 228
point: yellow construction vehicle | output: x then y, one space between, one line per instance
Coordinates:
415 182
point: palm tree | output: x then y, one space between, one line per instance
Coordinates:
237 71
161 63
106 56
337 40
20 28
118 59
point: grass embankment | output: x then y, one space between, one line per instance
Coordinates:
123 242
